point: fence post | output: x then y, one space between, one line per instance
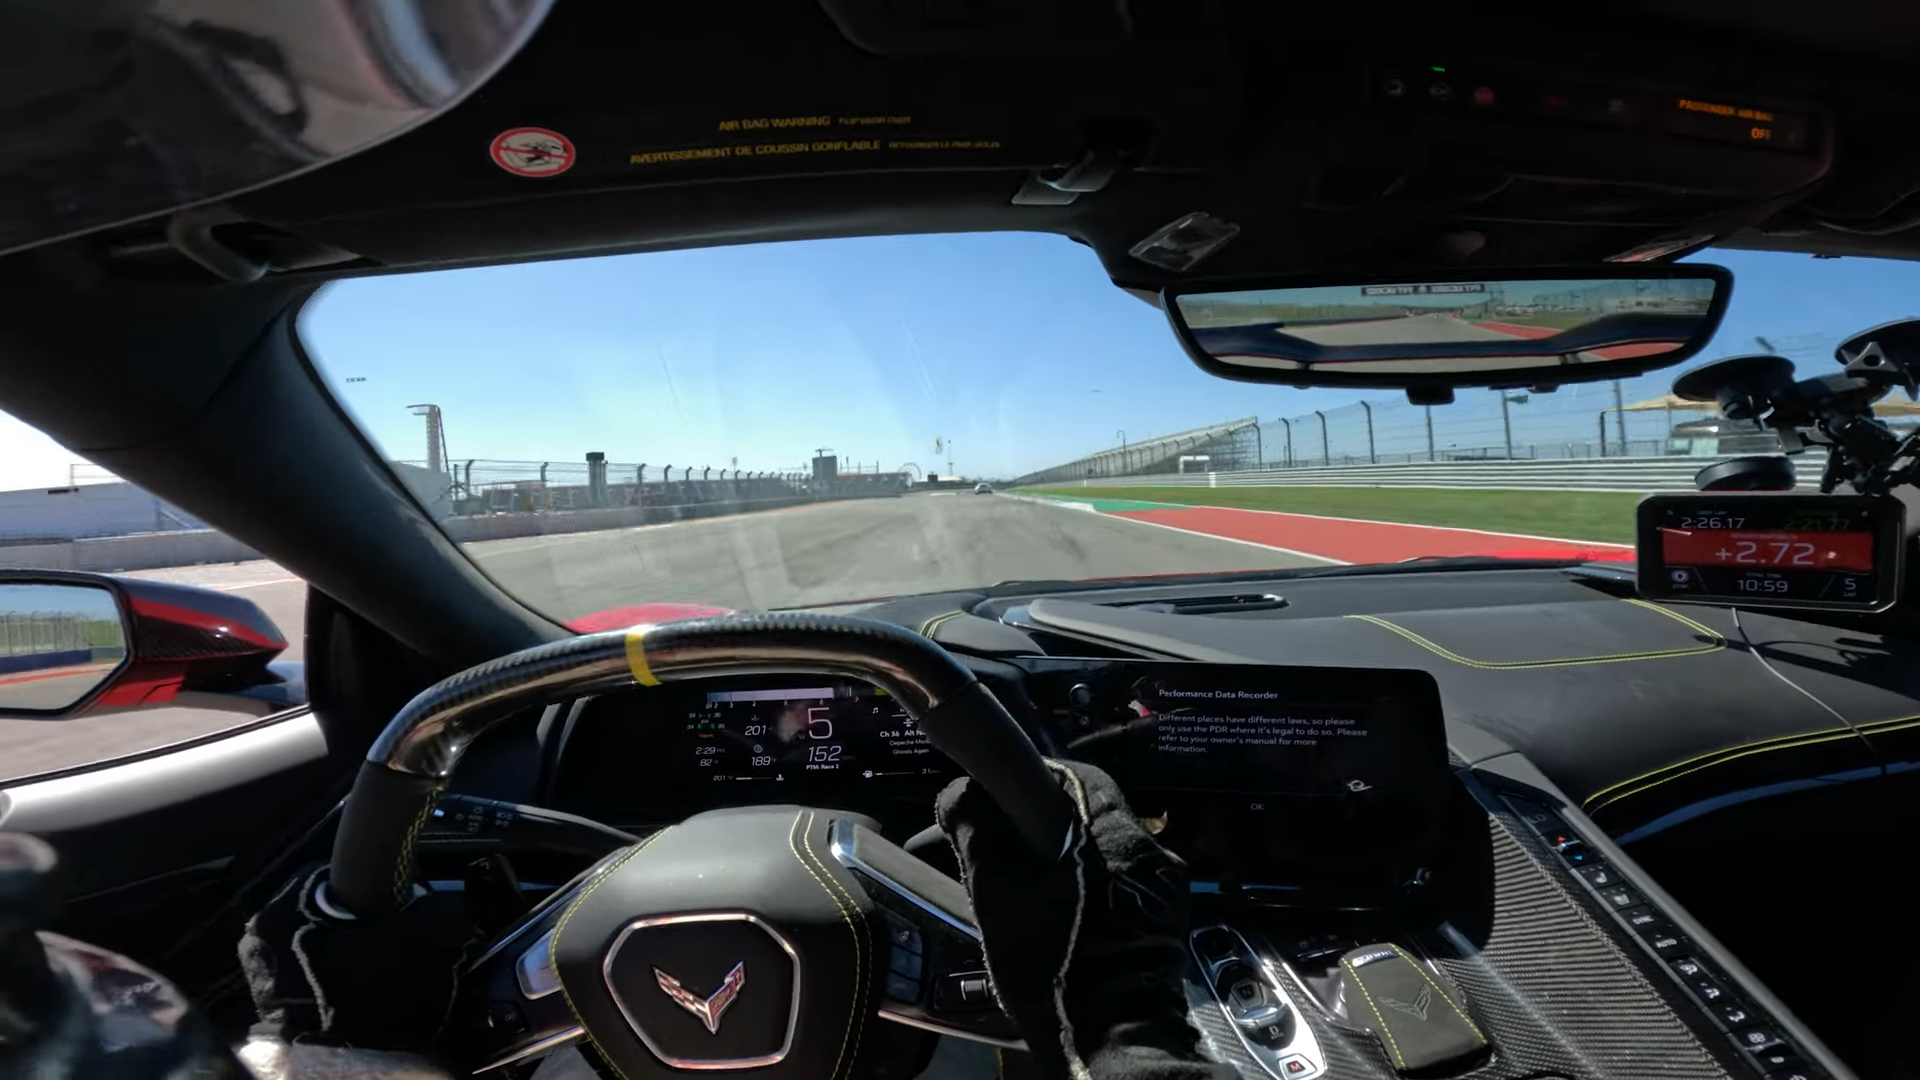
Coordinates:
1430 454
1620 413
1603 432
1326 451
1372 458
1288 425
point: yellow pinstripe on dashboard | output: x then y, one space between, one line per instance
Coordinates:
1649 780
1714 643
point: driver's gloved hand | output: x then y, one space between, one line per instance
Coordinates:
1086 954
385 983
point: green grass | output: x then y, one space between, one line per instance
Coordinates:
1575 515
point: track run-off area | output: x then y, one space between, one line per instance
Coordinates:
822 554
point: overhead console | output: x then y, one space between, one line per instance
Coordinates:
1569 147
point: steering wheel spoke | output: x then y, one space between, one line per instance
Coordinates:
936 977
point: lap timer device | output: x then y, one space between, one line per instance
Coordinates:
1772 550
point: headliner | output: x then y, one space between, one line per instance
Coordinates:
1225 107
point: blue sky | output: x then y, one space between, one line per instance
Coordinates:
1015 348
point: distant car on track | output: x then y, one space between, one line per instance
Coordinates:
983 489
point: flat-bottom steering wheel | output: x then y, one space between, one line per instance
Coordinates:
765 938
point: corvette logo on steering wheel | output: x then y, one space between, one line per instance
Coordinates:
708 1009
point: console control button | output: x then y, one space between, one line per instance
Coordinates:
1756 1039
1666 942
1781 1060
1559 838
1599 875
1620 897
1689 968
1795 1070
1642 919
1295 1065
1538 816
1575 853
1733 1013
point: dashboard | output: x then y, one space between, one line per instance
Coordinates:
1225 760
1339 759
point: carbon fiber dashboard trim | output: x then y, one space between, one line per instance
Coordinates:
1555 986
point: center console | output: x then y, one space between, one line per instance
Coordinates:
1366 904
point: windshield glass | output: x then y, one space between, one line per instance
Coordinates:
808 424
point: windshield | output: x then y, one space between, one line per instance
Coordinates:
808 424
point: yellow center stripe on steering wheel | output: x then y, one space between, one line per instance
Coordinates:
637 657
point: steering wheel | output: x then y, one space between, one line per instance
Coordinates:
766 938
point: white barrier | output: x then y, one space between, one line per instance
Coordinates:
1602 474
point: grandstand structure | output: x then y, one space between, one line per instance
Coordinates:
1235 444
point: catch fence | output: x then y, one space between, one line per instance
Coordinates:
487 486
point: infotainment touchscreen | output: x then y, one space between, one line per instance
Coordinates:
1271 773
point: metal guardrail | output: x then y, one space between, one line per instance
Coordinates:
1609 474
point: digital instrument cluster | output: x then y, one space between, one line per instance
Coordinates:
799 735
1763 549
645 758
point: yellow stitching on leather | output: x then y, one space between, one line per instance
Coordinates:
847 1036
859 939
1385 1028
1842 735
1715 644
403 868
561 928
927 628
1444 996
637 657
1730 753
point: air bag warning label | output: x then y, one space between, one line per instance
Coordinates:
795 125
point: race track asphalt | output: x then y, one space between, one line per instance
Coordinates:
1414 330
814 555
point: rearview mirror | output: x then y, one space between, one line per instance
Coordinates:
59 644
1530 327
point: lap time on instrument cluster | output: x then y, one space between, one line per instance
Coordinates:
805 734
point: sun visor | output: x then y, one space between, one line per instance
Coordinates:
119 111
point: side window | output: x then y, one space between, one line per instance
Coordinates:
99 578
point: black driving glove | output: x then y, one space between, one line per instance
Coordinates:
1086 954
386 983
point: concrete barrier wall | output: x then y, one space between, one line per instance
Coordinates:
147 551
